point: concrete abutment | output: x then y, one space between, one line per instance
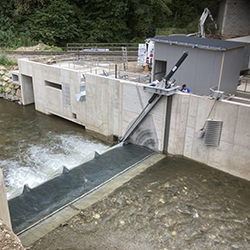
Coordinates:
4 208
112 104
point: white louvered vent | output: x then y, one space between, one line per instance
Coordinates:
213 132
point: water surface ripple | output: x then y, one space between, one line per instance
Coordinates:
35 146
176 204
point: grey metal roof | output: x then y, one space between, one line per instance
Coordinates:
205 43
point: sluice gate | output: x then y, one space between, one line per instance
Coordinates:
35 205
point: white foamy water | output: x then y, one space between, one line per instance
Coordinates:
35 163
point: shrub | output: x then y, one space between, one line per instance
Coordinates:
2 90
4 60
55 49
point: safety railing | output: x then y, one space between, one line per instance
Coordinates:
244 84
101 47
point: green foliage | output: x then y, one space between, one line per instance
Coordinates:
186 12
9 37
6 31
54 23
26 6
103 20
23 39
170 31
5 61
58 22
53 48
144 16
2 90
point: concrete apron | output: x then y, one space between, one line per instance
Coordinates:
34 233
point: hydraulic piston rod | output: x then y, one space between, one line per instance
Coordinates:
170 74
153 100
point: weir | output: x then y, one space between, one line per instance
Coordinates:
183 114
34 205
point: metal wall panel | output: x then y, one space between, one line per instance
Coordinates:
201 69
199 72
231 70
213 133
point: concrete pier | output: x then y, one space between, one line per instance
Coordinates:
4 208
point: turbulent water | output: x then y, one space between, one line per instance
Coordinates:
34 147
176 204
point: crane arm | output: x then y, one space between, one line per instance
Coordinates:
202 20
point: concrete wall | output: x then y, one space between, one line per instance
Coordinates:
27 89
110 106
234 18
201 69
49 99
151 132
189 112
4 208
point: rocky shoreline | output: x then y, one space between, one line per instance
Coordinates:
8 240
8 89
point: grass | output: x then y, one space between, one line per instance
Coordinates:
5 61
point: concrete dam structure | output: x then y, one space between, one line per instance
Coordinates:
35 205
54 195
110 105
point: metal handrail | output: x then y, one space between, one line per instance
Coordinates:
110 46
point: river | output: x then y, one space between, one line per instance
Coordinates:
35 146
175 204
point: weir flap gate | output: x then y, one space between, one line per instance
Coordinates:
159 88
39 203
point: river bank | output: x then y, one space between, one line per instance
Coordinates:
176 204
8 240
8 89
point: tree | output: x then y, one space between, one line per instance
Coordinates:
26 6
144 16
186 12
56 23
105 19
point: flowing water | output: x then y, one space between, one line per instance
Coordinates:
34 147
176 204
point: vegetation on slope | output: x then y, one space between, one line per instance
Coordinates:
57 22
